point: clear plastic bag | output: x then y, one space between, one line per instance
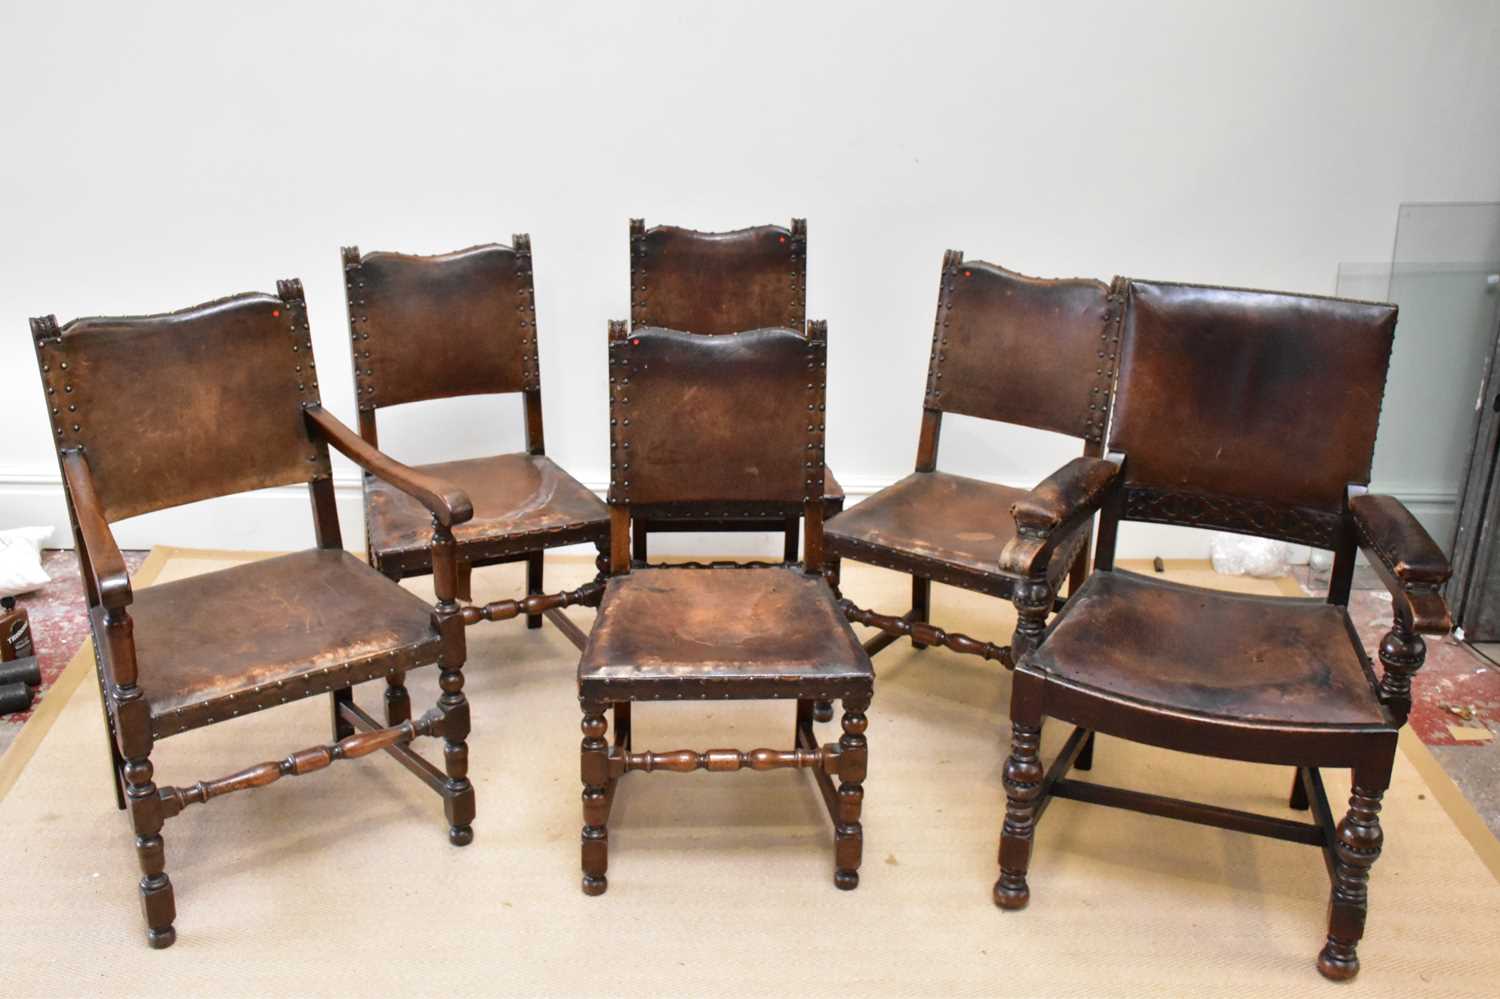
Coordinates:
1241 555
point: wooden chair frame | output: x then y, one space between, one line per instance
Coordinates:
1407 561
603 763
129 718
490 549
789 311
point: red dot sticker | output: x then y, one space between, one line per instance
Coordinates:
635 341
275 313
968 273
781 239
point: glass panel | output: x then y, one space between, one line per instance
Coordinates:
1445 276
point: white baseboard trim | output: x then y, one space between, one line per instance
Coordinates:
280 519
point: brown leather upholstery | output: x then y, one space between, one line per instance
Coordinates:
1230 395
721 632
524 499
938 526
460 323
1389 530
1023 350
1249 659
186 405
718 282
756 428
223 635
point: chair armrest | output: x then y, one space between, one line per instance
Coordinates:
1411 564
1046 515
448 503
107 566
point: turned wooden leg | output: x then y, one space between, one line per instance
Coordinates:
638 540
1023 785
849 836
1357 848
822 711
594 769
789 542
458 796
601 560
397 700
158 904
534 585
921 604
1298 798
463 571
1085 758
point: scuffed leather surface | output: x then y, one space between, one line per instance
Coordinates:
225 632
1388 529
1249 394
748 628
709 419
1072 491
1208 652
188 405
441 326
709 282
514 495
1029 351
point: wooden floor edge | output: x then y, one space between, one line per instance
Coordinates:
29 739
1460 812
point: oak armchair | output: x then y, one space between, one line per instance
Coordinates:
714 284
1252 412
150 412
458 324
695 632
1027 351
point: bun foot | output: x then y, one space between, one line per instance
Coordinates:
822 711
161 939
1337 963
460 835
1012 893
594 885
846 880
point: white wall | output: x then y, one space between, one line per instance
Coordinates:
160 155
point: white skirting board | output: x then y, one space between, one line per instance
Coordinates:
281 520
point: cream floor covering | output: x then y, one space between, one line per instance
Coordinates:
343 883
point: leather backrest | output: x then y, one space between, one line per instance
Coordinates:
718 282
1029 351
186 405
717 419
1248 411
461 323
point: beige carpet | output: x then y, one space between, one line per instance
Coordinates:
343 883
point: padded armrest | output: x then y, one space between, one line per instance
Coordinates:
1073 491
1388 531
1049 512
1414 567
110 577
447 502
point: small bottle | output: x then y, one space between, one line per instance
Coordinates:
15 631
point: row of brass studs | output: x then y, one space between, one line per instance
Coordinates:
951 261
1104 372
48 338
526 306
817 376
359 329
279 692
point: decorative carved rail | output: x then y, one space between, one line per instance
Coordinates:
926 633
304 761
683 761
587 595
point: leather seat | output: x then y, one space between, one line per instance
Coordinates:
1278 661
279 629
519 500
949 528
721 632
